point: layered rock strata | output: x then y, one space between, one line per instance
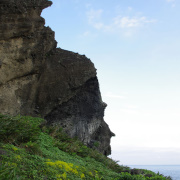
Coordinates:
36 78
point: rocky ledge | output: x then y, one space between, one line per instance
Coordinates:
39 79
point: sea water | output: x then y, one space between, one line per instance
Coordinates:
166 170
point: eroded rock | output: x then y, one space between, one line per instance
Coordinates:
36 78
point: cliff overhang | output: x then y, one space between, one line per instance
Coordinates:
39 79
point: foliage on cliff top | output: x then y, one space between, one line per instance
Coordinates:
31 150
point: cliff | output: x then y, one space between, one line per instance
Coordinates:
39 79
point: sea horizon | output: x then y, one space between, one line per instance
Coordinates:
153 165
167 170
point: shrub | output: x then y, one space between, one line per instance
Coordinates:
19 129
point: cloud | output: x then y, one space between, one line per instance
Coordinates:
130 25
94 15
94 18
121 24
88 34
130 8
131 22
172 2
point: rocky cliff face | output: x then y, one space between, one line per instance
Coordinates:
36 78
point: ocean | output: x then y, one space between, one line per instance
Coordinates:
166 170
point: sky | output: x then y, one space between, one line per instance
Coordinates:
134 44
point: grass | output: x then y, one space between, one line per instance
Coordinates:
31 150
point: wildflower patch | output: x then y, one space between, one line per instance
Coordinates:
66 168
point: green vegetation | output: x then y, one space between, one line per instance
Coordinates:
30 150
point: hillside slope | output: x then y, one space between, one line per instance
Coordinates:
31 150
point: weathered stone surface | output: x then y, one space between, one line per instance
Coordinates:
36 78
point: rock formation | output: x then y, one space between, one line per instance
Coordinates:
36 78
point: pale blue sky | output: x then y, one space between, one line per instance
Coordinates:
135 46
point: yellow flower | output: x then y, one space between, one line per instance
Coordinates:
50 163
14 164
60 176
15 148
64 175
90 173
82 176
68 167
18 157
74 171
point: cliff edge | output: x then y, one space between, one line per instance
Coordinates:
39 79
